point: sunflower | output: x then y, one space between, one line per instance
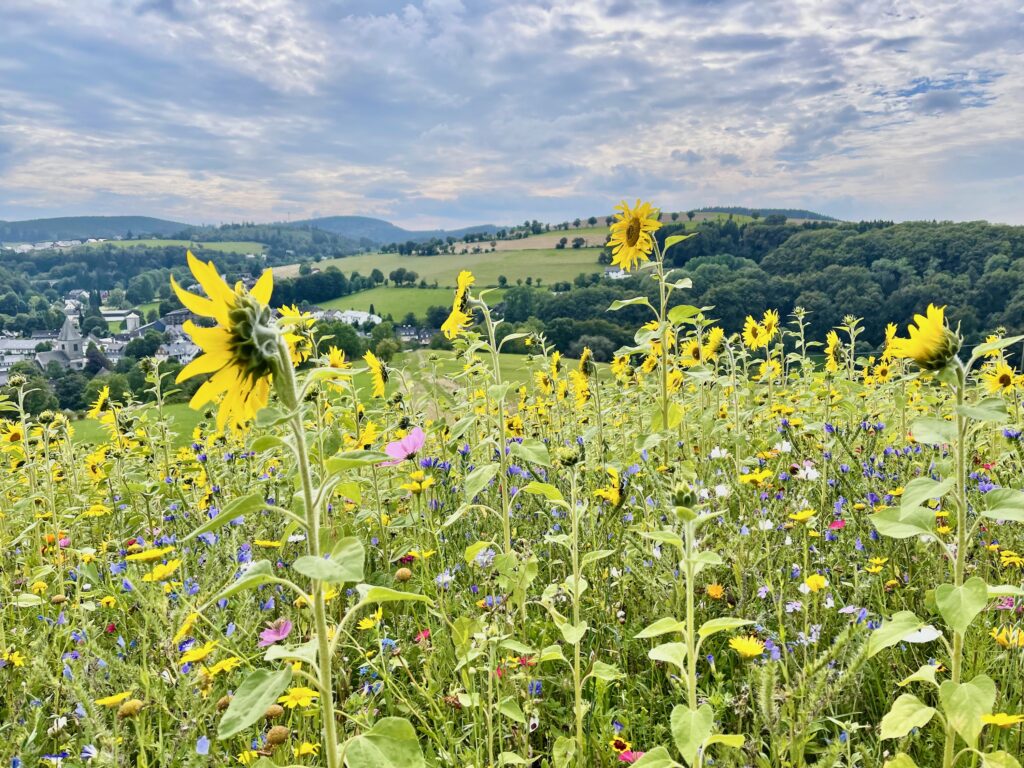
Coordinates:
459 320
378 371
999 378
12 436
769 370
754 334
240 351
747 646
831 348
931 344
299 332
97 407
883 372
770 323
630 239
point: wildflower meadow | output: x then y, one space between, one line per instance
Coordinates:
761 549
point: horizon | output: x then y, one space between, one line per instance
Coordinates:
437 114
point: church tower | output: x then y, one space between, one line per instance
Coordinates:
69 341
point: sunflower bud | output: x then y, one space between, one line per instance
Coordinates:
129 709
278 735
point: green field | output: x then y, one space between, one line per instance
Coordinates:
547 264
513 368
231 246
388 300
183 417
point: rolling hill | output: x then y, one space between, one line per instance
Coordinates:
81 227
383 232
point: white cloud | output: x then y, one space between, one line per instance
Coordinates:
448 112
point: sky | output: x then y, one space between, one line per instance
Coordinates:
447 113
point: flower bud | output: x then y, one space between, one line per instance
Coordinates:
278 735
403 574
130 708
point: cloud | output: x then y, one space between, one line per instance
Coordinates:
446 112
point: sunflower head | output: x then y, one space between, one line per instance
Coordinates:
630 240
932 345
241 352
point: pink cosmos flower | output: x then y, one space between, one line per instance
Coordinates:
630 756
406 448
835 525
275 632
423 635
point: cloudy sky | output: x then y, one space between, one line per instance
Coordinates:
449 112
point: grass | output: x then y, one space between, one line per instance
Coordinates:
231 246
388 300
547 264
183 419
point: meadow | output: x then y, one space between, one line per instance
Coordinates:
547 264
759 549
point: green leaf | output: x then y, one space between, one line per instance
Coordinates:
921 489
925 674
606 672
903 523
677 314
1005 590
265 443
511 709
372 594
908 712
733 740
690 728
663 626
350 555
673 653
532 450
893 631
511 758
999 759
355 460
593 557
658 757
933 431
564 753
235 508
664 537
390 743
260 572
478 479
995 346
552 653
959 605
322 569
270 417
1004 504
251 699
990 409
636 300
713 626
670 241
964 704
546 490
305 652
573 633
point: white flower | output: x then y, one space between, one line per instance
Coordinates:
656 551
783 446
804 589
719 453
766 525
789 540
704 494
722 491
829 602
808 472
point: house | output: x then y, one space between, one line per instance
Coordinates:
350 316
181 350
615 273
411 334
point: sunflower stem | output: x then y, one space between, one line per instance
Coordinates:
287 388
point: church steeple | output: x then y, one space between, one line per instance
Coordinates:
69 340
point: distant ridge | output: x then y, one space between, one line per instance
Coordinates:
384 232
82 227
789 213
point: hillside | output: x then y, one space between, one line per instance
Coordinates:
82 227
801 214
382 232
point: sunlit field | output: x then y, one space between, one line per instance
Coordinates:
758 549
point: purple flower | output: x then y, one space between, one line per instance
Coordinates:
275 632
407 447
